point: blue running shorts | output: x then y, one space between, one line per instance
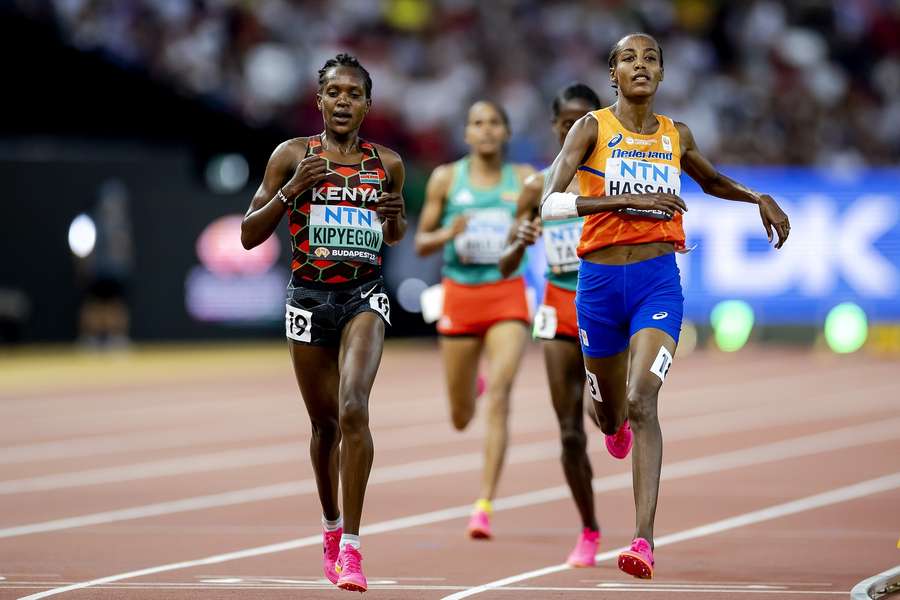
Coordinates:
616 301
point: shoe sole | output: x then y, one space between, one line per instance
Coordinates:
479 534
352 587
635 566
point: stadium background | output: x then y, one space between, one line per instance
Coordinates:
175 105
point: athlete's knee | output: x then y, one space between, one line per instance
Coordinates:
325 427
574 442
354 416
642 406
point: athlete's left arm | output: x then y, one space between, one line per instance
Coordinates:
717 184
391 207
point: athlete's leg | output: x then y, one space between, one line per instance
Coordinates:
565 373
461 355
315 368
607 380
362 342
505 344
648 368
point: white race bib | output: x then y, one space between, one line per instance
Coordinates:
484 239
561 245
297 324
545 323
344 233
633 176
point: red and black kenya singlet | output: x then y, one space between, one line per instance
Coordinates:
335 232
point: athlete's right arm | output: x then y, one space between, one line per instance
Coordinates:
526 228
287 176
579 145
430 236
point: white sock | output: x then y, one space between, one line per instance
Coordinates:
332 525
348 539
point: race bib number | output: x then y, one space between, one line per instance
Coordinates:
593 386
633 176
545 323
484 239
380 304
344 233
663 362
298 324
561 245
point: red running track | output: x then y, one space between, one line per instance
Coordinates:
183 473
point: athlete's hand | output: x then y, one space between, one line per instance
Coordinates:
458 225
774 218
528 231
667 203
310 171
389 206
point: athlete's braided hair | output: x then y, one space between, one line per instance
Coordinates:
573 91
614 53
346 60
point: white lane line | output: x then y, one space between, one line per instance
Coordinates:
450 588
380 475
835 496
132 442
397 438
683 429
802 446
860 591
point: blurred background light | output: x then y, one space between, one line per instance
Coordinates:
732 322
82 235
846 328
227 173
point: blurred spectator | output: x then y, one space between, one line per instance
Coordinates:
761 81
107 272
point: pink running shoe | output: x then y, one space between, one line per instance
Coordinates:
638 561
349 570
619 444
331 545
480 385
480 525
585 552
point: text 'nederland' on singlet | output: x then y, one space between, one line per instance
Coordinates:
561 248
626 162
471 258
336 234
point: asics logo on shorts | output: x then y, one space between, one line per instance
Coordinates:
660 315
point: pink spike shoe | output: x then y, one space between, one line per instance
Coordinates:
619 444
638 560
349 570
585 552
480 385
331 546
480 525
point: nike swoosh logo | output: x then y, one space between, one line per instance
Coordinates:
365 295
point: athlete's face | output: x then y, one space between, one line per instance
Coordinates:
486 132
637 70
342 100
569 112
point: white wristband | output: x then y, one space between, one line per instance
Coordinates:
559 205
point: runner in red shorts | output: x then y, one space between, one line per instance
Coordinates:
555 322
469 209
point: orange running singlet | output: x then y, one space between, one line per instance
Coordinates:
625 162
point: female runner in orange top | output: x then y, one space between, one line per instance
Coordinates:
629 302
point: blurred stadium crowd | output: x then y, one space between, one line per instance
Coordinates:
812 82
